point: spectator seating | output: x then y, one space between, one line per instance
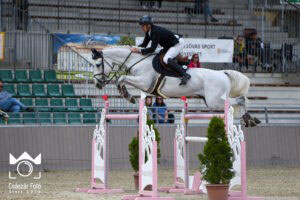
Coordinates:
29 118
50 76
57 105
54 103
44 118
59 118
41 105
53 90
38 90
35 76
10 88
27 102
14 118
72 105
86 105
23 91
21 76
6 76
74 118
68 90
89 118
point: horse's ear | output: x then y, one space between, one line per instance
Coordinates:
96 54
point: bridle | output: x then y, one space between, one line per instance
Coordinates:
105 79
114 73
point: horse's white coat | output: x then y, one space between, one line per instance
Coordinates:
210 84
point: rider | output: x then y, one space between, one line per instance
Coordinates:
172 44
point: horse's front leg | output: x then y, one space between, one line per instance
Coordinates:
134 81
123 90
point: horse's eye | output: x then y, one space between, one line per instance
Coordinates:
98 65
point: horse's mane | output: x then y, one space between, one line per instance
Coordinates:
119 46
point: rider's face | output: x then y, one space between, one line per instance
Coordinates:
145 28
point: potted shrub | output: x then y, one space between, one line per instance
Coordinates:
134 153
216 161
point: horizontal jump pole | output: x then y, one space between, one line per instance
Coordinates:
122 116
196 139
203 116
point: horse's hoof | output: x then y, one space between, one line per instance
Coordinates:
246 118
242 122
249 121
252 123
246 124
124 92
257 121
132 100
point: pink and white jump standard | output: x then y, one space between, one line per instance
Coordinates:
183 183
100 154
147 168
148 146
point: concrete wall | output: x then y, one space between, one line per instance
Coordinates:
67 148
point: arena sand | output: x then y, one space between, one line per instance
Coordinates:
272 183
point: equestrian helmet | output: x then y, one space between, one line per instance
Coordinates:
145 20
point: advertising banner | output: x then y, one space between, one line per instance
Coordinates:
209 50
72 53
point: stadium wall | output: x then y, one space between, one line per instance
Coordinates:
69 148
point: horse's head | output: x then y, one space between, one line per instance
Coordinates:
99 71
109 62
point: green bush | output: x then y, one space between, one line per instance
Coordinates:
216 160
134 148
125 40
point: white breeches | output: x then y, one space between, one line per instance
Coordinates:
174 51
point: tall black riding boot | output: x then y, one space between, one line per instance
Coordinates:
184 76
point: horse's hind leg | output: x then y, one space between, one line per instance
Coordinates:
239 104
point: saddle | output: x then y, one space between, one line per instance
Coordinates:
163 69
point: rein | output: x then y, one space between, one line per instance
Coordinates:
128 70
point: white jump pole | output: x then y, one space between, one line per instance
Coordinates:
196 139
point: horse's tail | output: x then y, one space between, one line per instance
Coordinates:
239 87
239 83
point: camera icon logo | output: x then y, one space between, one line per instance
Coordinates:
25 161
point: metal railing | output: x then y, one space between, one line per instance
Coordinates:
268 115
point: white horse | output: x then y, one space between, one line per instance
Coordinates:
213 86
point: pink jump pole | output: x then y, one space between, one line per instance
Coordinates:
242 195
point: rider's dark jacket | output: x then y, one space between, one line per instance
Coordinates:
158 35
